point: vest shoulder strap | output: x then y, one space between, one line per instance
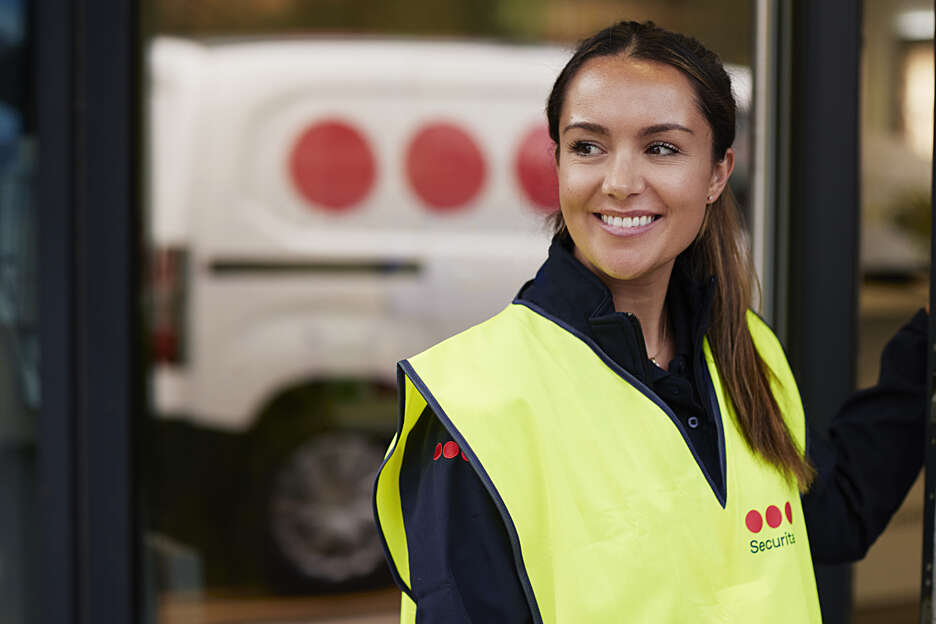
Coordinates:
782 382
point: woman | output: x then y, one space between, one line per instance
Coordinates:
625 442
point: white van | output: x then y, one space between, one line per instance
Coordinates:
318 210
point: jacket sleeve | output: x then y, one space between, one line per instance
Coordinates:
461 564
873 453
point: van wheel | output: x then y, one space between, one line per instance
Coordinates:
320 517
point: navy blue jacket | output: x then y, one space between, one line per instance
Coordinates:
461 563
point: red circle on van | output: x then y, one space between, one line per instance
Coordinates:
773 516
332 165
444 166
535 166
754 521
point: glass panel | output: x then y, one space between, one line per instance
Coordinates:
296 253
896 144
19 335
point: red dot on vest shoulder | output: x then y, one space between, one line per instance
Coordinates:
789 512
754 521
438 452
773 516
450 450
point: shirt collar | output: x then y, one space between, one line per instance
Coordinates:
569 291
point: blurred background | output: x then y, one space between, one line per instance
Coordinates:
333 187
329 187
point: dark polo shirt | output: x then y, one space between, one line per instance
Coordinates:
461 563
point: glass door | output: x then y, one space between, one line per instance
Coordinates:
19 323
294 254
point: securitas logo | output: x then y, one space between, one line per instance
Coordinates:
755 523
449 450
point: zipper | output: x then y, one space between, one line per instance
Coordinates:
637 339
712 410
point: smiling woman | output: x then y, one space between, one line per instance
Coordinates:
635 177
648 118
620 159
629 400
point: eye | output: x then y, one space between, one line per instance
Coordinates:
584 148
662 149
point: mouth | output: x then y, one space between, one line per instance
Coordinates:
627 225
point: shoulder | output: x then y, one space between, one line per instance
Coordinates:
781 378
766 342
759 327
497 336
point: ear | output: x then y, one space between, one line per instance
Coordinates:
721 172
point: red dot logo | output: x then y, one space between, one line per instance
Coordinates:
332 166
463 456
773 516
444 166
754 521
535 167
789 512
438 452
450 450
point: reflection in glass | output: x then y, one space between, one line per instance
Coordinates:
320 207
896 145
19 339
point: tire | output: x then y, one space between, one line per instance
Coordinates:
319 517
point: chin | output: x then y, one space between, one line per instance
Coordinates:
631 269
625 274
623 271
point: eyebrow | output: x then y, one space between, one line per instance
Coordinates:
649 130
588 126
664 127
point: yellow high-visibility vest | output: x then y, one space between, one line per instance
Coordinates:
609 513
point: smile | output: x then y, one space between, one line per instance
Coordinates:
626 222
627 225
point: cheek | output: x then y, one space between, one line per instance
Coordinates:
576 185
687 194
688 185
694 224
686 197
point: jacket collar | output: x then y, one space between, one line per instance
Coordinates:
567 290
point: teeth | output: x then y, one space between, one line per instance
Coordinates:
626 222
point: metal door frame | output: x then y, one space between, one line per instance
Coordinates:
85 77
816 276
927 614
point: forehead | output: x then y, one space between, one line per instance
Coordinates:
617 90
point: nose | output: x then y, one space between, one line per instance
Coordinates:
623 177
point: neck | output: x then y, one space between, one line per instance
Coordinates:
644 297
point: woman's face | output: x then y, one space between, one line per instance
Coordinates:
635 167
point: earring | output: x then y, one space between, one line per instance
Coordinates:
709 198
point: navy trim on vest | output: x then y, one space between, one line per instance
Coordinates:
806 438
650 394
401 389
404 366
706 381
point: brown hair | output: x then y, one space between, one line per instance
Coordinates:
720 248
